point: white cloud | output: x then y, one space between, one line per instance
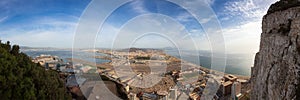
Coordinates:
200 9
139 7
249 9
210 2
163 27
244 38
3 19
42 39
41 33
205 20
184 17
105 37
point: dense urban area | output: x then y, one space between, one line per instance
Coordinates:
138 74
152 74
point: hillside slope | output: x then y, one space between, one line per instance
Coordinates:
21 79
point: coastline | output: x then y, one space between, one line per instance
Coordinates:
173 64
109 65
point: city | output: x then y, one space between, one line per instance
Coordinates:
180 80
150 50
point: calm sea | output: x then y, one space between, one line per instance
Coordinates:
64 54
239 64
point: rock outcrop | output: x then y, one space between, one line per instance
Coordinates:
275 75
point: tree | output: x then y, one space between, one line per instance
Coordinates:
22 79
7 46
15 50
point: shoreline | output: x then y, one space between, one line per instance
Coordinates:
108 65
109 54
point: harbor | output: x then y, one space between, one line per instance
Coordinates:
128 75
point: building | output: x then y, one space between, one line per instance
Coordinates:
132 96
230 77
235 90
230 87
150 96
194 96
163 95
173 94
226 88
73 85
50 62
97 90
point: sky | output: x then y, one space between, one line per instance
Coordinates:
139 23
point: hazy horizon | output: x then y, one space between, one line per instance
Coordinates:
52 24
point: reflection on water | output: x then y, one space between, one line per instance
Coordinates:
235 63
64 54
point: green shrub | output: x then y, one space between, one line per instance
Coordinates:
22 79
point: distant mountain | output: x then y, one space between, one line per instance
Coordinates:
133 49
23 48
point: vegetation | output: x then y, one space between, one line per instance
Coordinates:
20 78
142 58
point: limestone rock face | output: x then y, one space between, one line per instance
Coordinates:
275 75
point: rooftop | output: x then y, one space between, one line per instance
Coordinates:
227 83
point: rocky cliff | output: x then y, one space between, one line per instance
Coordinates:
275 75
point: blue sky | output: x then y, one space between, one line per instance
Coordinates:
53 23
